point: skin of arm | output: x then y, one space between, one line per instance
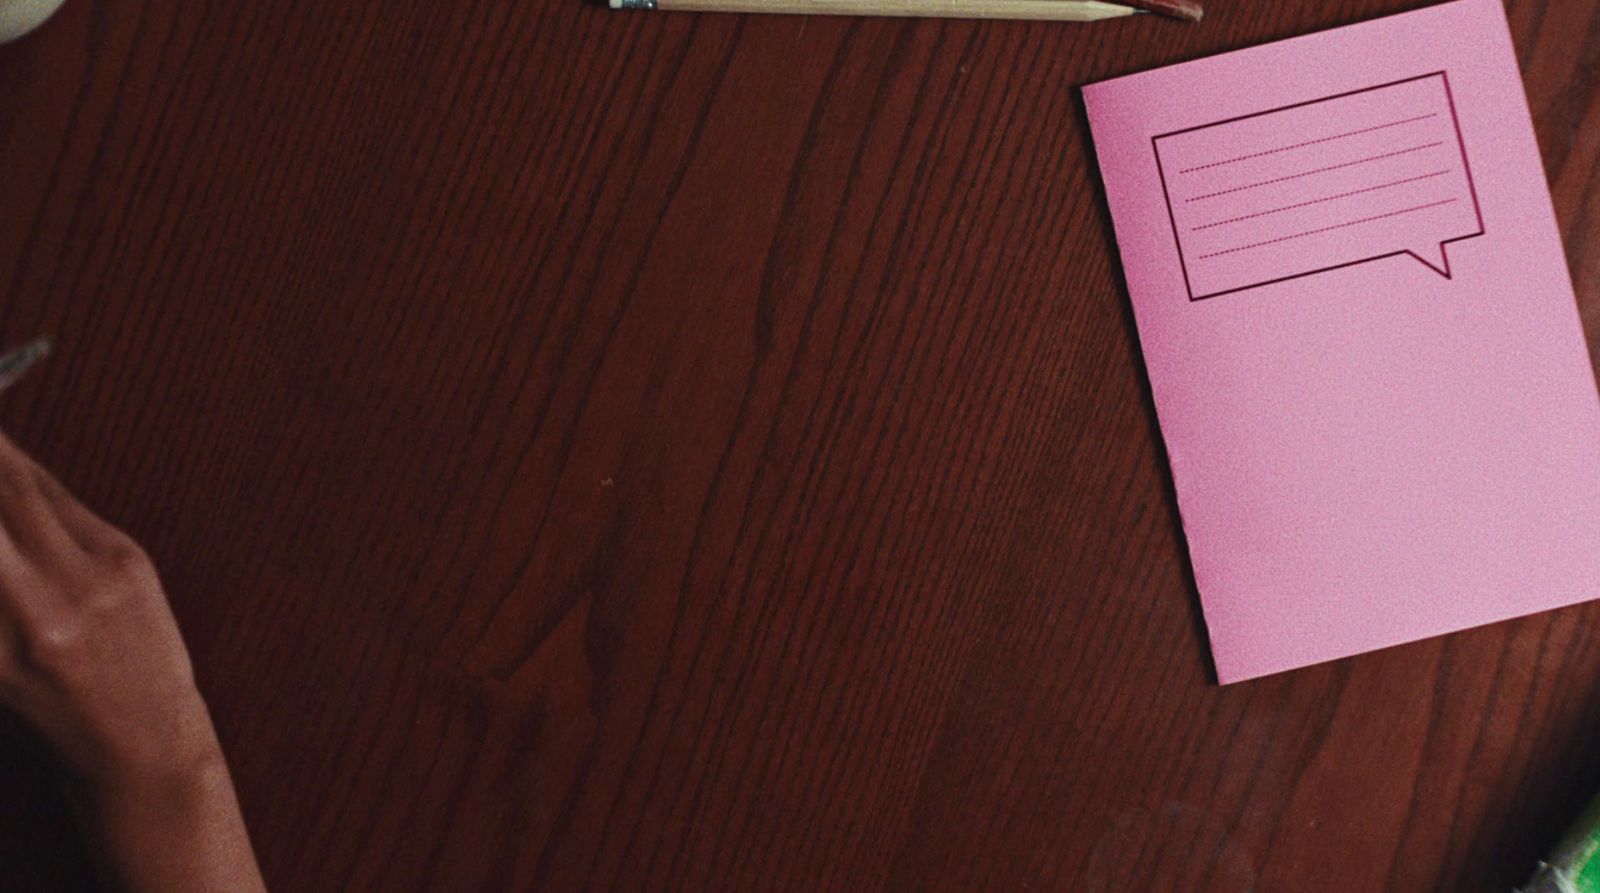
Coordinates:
91 656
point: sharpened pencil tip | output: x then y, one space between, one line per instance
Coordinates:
16 364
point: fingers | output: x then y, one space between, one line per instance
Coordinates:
25 529
39 519
91 533
30 521
17 583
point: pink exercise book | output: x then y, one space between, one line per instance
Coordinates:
1360 334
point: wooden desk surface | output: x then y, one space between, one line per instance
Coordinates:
627 451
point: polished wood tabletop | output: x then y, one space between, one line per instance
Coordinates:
643 451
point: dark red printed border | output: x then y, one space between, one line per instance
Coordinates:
1466 167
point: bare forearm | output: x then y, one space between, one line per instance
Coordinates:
176 828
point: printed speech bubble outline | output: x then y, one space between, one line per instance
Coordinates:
1424 254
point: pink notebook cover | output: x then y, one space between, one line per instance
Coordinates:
1360 334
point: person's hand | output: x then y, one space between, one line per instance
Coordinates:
90 655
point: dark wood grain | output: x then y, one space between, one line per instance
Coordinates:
672 452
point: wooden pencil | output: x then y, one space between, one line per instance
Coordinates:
1052 10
